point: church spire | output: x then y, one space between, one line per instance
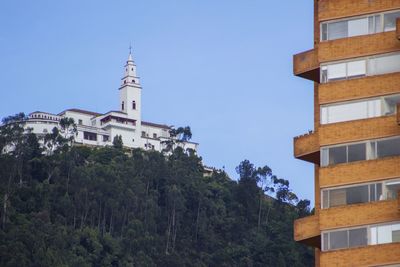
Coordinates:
130 76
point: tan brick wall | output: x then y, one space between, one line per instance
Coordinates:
359 88
362 257
359 214
358 46
306 144
333 9
359 172
305 61
305 228
351 131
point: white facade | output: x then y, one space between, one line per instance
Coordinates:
100 129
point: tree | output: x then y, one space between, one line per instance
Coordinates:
117 142
177 137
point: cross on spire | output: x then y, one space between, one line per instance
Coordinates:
130 48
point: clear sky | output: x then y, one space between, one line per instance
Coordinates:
222 67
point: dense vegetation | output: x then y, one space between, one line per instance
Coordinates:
64 205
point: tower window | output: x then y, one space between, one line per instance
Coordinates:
132 69
80 122
133 104
133 81
123 105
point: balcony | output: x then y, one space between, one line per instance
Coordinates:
375 255
306 147
306 65
306 231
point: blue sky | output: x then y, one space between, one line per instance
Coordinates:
222 67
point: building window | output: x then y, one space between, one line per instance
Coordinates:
143 134
371 24
371 66
362 193
106 138
123 106
361 236
80 122
154 135
133 104
368 150
90 136
357 110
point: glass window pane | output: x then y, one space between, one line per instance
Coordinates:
338 240
324 31
325 199
379 194
358 237
374 108
324 157
324 115
346 112
371 150
396 236
324 74
378 23
392 188
337 71
337 197
373 235
358 27
390 147
337 30
337 155
384 234
325 241
390 21
356 152
372 196
356 68
389 104
385 64
357 194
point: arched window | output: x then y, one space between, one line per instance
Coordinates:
133 104
123 105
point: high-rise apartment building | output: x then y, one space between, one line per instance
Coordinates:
355 145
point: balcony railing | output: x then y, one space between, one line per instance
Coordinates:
306 65
306 230
306 147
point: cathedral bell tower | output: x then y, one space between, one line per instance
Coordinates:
130 92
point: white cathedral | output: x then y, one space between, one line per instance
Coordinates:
98 129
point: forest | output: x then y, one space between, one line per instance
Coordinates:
62 204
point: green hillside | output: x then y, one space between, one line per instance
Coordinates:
81 206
